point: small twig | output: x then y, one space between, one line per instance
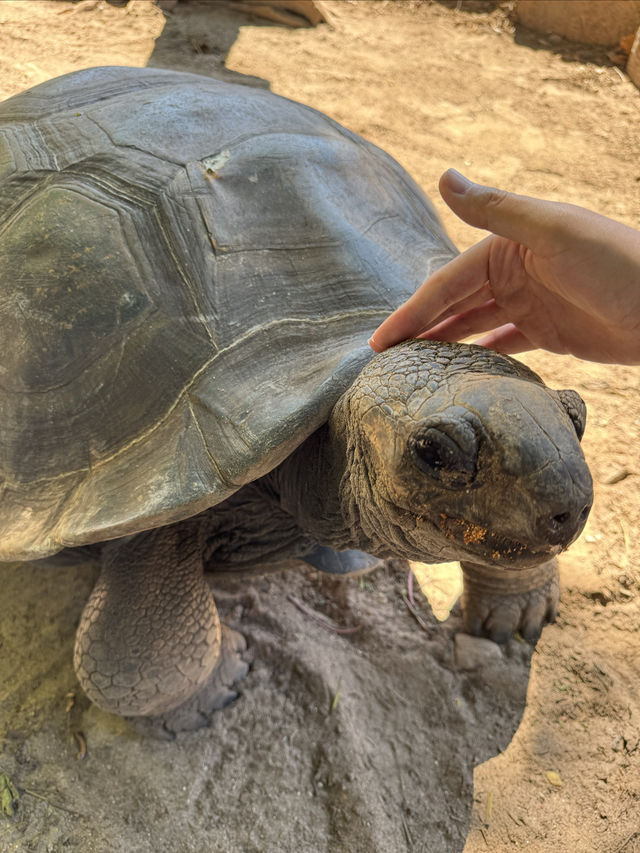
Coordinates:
398 695
51 803
30 792
624 844
336 698
488 807
626 540
416 615
82 745
405 826
74 732
410 588
324 623
407 834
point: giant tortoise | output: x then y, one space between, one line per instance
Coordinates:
189 274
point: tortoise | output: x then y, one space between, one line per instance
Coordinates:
190 271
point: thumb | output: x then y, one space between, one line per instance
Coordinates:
517 217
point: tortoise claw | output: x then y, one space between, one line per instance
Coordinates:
534 617
491 611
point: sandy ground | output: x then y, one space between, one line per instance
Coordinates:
386 766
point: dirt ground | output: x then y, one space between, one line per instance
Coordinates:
387 757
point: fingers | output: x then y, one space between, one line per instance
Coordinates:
481 297
462 279
507 339
526 220
477 313
473 322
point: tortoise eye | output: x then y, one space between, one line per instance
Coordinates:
447 452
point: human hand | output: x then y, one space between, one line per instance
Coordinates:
551 276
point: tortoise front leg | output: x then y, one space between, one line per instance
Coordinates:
149 639
497 602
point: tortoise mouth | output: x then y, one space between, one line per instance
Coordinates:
485 545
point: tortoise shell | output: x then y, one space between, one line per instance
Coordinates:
189 271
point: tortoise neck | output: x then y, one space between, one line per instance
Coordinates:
310 486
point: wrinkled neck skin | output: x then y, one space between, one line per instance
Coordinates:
310 486
444 452
331 488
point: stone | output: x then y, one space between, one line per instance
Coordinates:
602 22
633 63
475 652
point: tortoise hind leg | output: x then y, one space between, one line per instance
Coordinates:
497 602
149 639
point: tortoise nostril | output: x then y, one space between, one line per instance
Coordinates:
562 527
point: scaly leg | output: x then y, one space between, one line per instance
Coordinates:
149 637
497 602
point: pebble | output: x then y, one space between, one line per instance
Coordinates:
475 652
615 476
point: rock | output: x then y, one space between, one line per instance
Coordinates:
475 652
616 474
633 65
602 22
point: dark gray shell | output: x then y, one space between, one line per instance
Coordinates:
189 271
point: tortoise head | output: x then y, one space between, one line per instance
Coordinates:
458 452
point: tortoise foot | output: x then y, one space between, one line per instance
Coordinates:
497 606
216 694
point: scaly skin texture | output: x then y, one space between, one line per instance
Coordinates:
356 483
149 636
497 605
378 477
436 452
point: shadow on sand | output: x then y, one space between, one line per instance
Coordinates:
198 37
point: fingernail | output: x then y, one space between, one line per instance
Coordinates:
456 182
373 345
